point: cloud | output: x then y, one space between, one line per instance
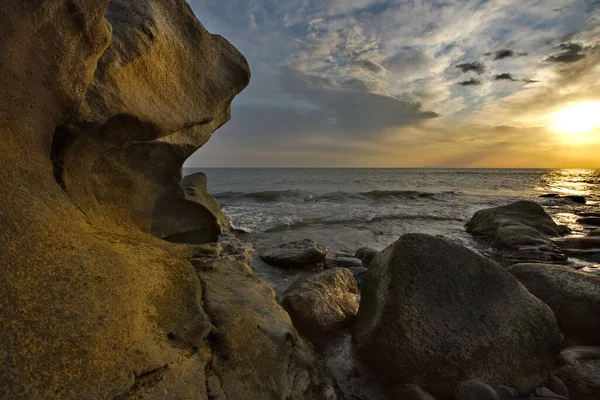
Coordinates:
569 53
530 81
505 77
502 54
369 66
470 82
477 67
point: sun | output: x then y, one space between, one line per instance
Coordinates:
579 119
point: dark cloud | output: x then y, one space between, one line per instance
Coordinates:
523 54
317 105
476 67
505 77
470 82
529 81
406 62
369 66
568 53
502 54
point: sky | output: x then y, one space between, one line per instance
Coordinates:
419 83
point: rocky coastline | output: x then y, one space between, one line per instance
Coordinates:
122 280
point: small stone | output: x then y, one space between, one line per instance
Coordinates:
547 393
409 392
507 393
558 386
577 199
299 254
475 390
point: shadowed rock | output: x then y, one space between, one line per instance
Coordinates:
434 313
580 372
298 254
574 297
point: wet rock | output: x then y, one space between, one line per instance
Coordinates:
299 254
522 227
428 303
366 255
586 248
594 233
474 390
577 199
409 392
344 254
593 221
343 262
575 354
323 303
574 297
550 195
506 393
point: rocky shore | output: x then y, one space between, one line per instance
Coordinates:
121 280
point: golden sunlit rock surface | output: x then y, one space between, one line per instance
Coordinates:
98 110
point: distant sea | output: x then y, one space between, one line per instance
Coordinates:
345 209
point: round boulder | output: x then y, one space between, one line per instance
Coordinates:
573 296
435 314
343 262
302 253
323 303
475 390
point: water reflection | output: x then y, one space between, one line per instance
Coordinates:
568 182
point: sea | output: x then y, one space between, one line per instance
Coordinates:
348 208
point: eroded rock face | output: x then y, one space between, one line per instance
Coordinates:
323 303
149 107
574 297
521 231
92 304
435 314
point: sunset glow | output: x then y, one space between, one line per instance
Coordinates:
578 119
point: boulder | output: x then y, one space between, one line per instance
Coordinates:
519 231
558 386
507 393
93 303
573 296
436 314
343 262
323 303
359 274
577 199
581 373
545 393
299 254
366 255
474 390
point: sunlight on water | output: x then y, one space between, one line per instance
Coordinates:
577 182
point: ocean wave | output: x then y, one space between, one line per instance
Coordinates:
302 223
299 195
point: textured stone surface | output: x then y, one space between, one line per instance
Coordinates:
573 296
409 392
160 90
366 255
343 262
521 231
323 303
91 304
434 313
299 254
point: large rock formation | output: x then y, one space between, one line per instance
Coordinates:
521 231
435 314
92 305
573 296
